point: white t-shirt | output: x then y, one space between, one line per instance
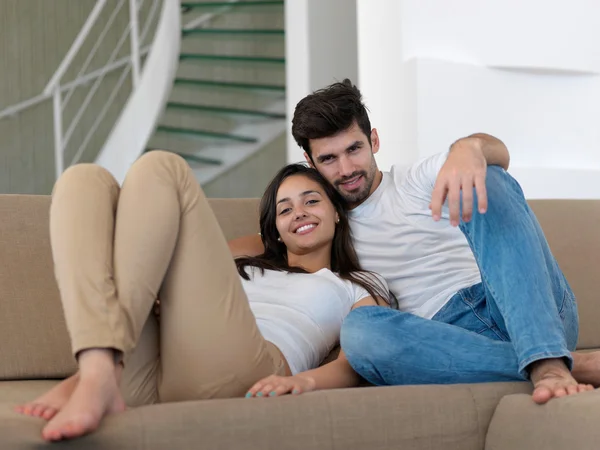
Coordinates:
301 314
424 262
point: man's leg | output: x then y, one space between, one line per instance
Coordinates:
527 294
390 347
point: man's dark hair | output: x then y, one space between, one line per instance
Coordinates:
328 111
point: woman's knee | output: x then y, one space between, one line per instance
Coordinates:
85 173
160 158
159 164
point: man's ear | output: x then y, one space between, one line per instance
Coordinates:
374 140
308 160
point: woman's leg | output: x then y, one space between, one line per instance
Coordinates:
165 238
82 222
83 214
168 244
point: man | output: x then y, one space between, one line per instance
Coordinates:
481 297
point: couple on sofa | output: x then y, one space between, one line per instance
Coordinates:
421 279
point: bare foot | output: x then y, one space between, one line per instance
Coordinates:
47 405
586 368
552 379
96 395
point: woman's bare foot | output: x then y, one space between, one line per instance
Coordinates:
586 368
552 379
96 395
47 405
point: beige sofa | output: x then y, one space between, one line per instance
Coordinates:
34 349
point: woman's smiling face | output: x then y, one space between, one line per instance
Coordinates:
306 217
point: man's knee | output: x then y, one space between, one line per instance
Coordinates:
501 185
361 331
353 329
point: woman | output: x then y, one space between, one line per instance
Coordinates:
261 330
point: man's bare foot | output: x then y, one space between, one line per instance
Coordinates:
96 395
552 379
586 368
46 406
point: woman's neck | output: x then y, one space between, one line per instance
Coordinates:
312 262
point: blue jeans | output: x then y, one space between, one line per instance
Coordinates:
522 312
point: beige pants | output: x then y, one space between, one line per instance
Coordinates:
116 250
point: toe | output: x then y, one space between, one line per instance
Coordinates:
560 392
37 410
571 390
541 395
49 413
50 434
73 430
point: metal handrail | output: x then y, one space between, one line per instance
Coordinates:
26 104
94 49
88 98
77 43
61 92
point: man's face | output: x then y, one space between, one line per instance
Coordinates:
346 160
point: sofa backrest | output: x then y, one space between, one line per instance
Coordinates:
34 341
571 228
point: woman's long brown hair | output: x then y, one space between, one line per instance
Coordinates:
344 261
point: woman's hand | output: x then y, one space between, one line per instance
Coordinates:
274 385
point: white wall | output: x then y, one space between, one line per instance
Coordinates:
528 72
321 48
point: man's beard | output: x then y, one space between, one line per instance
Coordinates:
361 194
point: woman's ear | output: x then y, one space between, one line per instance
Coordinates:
337 218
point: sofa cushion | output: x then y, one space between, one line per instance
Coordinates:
569 422
33 335
408 418
17 392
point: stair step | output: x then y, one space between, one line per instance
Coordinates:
189 5
222 110
205 133
232 31
200 159
254 100
237 58
256 45
181 118
230 84
193 158
232 71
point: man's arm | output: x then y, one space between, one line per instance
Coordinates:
246 246
493 149
465 170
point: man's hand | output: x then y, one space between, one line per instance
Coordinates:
274 385
464 169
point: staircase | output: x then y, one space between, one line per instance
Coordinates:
228 98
